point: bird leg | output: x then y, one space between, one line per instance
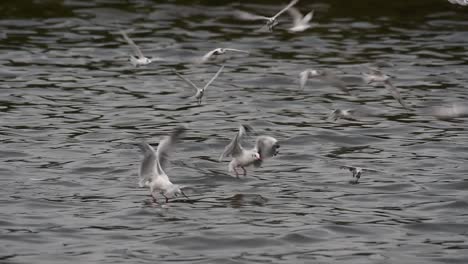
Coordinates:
237 173
245 171
167 199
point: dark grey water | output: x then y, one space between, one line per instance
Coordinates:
72 107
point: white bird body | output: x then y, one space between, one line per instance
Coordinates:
265 147
300 22
138 58
200 91
152 167
342 113
323 75
219 51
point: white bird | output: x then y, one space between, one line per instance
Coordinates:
217 52
357 171
200 91
265 147
300 22
323 75
395 93
152 167
374 75
450 112
139 58
459 2
342 113
270 21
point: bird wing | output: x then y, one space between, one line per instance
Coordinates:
266 146
395 93
336 81
249 16
132 44
148 164
164 148
214 77
208 55
187 81
234 148
293 2
296 15
303 76
308 17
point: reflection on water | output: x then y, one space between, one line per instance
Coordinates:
73 107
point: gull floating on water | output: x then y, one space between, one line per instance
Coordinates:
265 147
200 91
217 52
139 58
300 22
450 112
323 75
270 21
357 171
152 167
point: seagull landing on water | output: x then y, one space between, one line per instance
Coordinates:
300 22
218 51
154 163
265 147
200 91
323 75
270 21
139 58
357 171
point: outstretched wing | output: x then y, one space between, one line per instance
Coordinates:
132 44
395 93
293 2
248 16
165 147
187 81
234 148
296 15
303 76
267 146
148 164
214 77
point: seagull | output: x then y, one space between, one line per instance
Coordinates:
326 76
217 52
450 112
459 2
374 75
200 91
139 58
357 171
340 113
152 167
395 93
265 147
300 22
270 21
